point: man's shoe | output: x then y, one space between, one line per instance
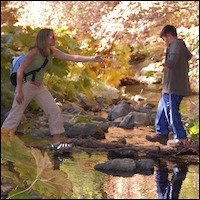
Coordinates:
62 147
158 138
178 143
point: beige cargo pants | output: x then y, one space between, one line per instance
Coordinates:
44 99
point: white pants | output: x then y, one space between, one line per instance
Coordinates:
44 99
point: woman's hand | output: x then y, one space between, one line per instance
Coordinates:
19 97
98 59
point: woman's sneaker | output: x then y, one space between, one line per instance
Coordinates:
62 147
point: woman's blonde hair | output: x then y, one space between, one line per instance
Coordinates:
41 41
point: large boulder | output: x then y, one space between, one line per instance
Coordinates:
126 166
82 130
119 110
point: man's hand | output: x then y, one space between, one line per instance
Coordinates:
166 69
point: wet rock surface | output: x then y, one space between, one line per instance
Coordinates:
126 166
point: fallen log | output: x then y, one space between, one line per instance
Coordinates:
116 150
119 150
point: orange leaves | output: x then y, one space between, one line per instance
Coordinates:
42 162
32 169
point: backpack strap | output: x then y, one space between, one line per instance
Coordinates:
33 72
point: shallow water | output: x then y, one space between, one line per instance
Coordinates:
91 184
188 107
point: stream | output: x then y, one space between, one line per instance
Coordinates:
169 180
91 184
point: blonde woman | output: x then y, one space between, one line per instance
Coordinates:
34 89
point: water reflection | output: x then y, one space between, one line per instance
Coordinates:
58 159
170 188
168 181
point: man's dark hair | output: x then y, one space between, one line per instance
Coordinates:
168 29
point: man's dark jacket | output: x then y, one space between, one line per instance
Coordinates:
176 80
